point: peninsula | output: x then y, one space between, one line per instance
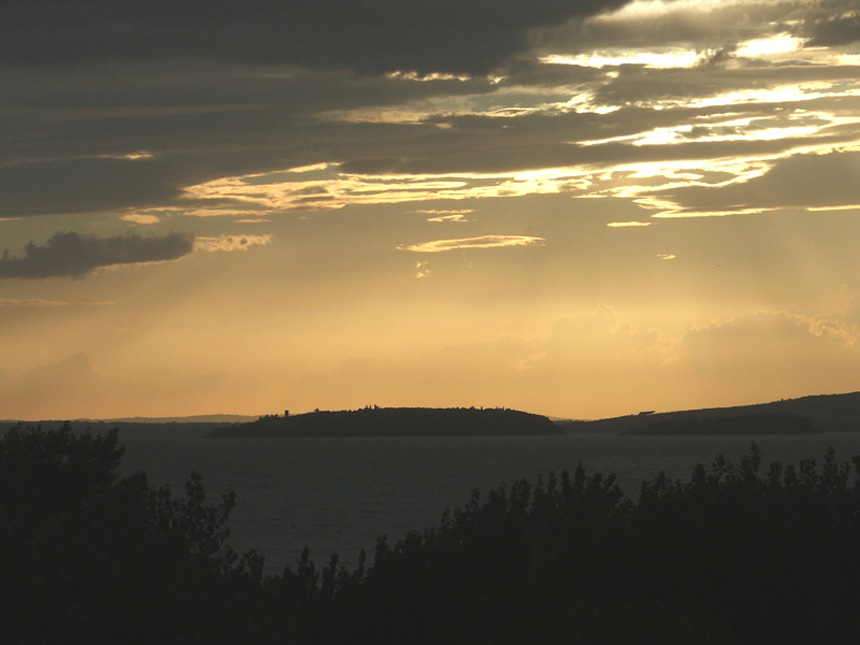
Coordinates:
396 422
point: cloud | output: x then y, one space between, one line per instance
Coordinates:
369 36
631 224
230 242
74 255
716 56
776 354
443 215
140 218
813 181
77 185
421 270
72 138
829 27
50 304
458 217
77 387
481 242
663 23
51 391
587 365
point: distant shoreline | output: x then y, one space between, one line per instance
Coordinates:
767 423
825 412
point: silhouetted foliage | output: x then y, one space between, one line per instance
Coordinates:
88 557
738 554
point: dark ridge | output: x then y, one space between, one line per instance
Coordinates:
396 422
825 412
764 423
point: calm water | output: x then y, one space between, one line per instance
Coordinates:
337 495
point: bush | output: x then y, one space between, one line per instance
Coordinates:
735 555
88 556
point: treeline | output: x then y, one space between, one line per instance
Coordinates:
741 553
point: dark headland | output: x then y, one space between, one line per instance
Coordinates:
396 422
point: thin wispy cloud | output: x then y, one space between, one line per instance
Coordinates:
41 303
481 242
442 215
140 218
230 242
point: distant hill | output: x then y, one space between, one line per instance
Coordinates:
396 422
127 429
825 413
199 418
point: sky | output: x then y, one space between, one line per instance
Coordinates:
575 208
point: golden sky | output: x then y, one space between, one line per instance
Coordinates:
583 210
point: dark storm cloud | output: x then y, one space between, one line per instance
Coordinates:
74 255
369 36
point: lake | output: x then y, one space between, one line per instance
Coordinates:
335 495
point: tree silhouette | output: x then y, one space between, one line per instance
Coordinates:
87 556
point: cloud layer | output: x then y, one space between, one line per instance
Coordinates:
74 255
369 36
383 141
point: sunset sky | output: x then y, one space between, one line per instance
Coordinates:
575 208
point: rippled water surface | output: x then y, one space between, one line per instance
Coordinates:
336 495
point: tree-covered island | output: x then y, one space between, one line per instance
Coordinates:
374 421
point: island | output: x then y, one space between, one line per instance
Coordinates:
396 422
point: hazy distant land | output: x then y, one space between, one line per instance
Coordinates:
806 415
397 422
